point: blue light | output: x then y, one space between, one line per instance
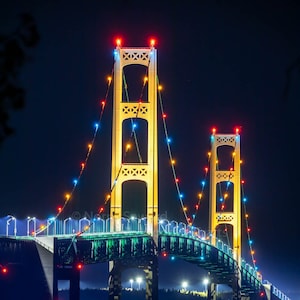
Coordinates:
181 196
172 257
228 183
96 125
75 181
116 54
221 199
169 140
134 125
203 183
244 199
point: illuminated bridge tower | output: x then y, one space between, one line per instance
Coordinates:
219 216
142 171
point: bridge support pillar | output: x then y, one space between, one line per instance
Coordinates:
71 274
150 269
212 291
152 280
236 289
115 280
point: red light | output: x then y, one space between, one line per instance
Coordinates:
118 42
152 42
79 266
164 254
262 294
101 209
206 169
237 129
59 209
213 130
4 270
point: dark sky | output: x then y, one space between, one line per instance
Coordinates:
221 63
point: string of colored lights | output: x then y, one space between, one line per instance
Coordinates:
248 229
200 194
171 159
127 148
68 196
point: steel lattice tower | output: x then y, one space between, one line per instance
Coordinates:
233 217
146 171
142 171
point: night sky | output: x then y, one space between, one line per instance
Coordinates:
221 63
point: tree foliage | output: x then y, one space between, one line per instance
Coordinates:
13 55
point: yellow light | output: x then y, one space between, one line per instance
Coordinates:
145 79
109 79
217 161
42 226
252 252
209 154
241 161
246 215
67 196
128 146
89 146
200 195
173 161
159 87
233 153
225 195
86 228
185 208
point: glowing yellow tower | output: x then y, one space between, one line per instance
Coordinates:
144 171
218 217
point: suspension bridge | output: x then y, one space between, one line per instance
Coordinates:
60 246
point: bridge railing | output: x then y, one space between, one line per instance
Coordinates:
34 227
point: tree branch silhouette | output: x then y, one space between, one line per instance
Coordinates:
13 55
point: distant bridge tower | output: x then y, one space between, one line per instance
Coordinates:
218 216
143 171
